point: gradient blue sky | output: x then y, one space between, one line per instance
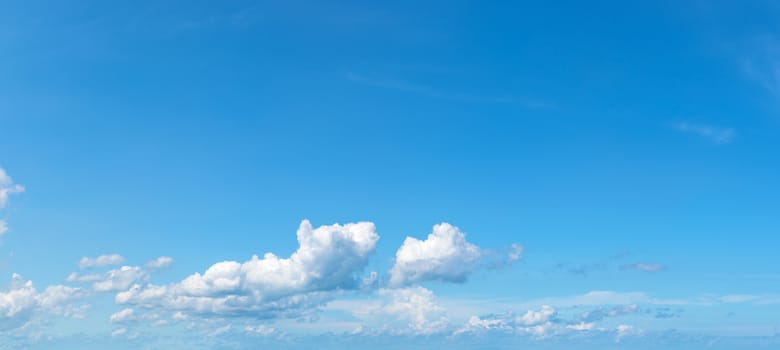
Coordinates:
631 150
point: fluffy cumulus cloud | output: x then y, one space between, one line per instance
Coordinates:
22 302
7 187
416 306
444 256
101 261
537 323
329 259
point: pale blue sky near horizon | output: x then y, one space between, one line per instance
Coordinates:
631 149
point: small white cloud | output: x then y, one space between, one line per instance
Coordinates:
123 316
444 256
602 312
3 227
101 261
160 263
515 252
712 133
260 330
646 267
118 332
120 279
582 326
532 318
7 187
625 331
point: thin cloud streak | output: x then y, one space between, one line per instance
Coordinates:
712 133
437 93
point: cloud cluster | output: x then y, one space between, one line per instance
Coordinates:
22 302
329 259
444 256
538 323
119 279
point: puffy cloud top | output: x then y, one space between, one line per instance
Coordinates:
444 256
328 258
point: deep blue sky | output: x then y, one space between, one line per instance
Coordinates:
629 148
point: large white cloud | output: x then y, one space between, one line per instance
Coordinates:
444 256
22 301
328 259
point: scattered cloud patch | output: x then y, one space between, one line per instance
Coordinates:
712 133
602 313
7 187
22 302
625 331
101 261
160 263
646 267
417 306
444 256
123 316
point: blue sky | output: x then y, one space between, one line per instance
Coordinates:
448 173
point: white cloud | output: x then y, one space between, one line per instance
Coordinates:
120 279
3 227
712 133
602 313
582 326
515 252
328 259
22 302
646 267
7 187
624 331
260 330
532 318
444 256
123 316
118 332
415 305
160 263
539 323
101 261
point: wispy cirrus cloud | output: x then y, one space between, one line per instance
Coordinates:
715 134
440 93
646 267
